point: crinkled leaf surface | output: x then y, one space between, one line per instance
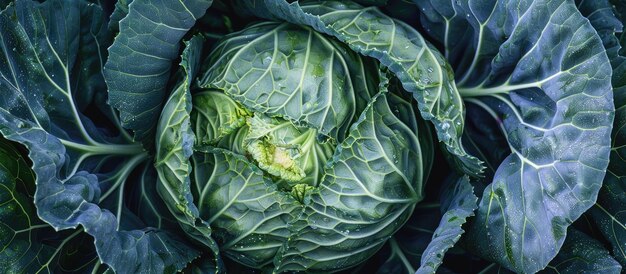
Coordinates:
422 70
540 70
225 194
138 67
215 115
377 173
294 72
81 171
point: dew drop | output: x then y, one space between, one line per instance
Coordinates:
445 126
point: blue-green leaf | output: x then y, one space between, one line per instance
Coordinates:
149 34
458 204
51 58
608 212
540 70
120 11
582 254
27 244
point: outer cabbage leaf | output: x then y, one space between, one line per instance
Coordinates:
609 210
28 244
579 254
138 67
119 12
458 203
174 143
81 171
422 70
550 92
293 72
367 193
582 254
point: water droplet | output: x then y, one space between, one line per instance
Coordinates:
445 126
430 69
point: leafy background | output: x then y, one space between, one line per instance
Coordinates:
95 183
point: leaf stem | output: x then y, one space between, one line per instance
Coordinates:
122 175
105 149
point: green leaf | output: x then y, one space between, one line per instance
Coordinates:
367 193
540 70
422 70
215 115
149 34
249 214
293 72
174 143
459 205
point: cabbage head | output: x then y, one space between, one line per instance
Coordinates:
301 153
